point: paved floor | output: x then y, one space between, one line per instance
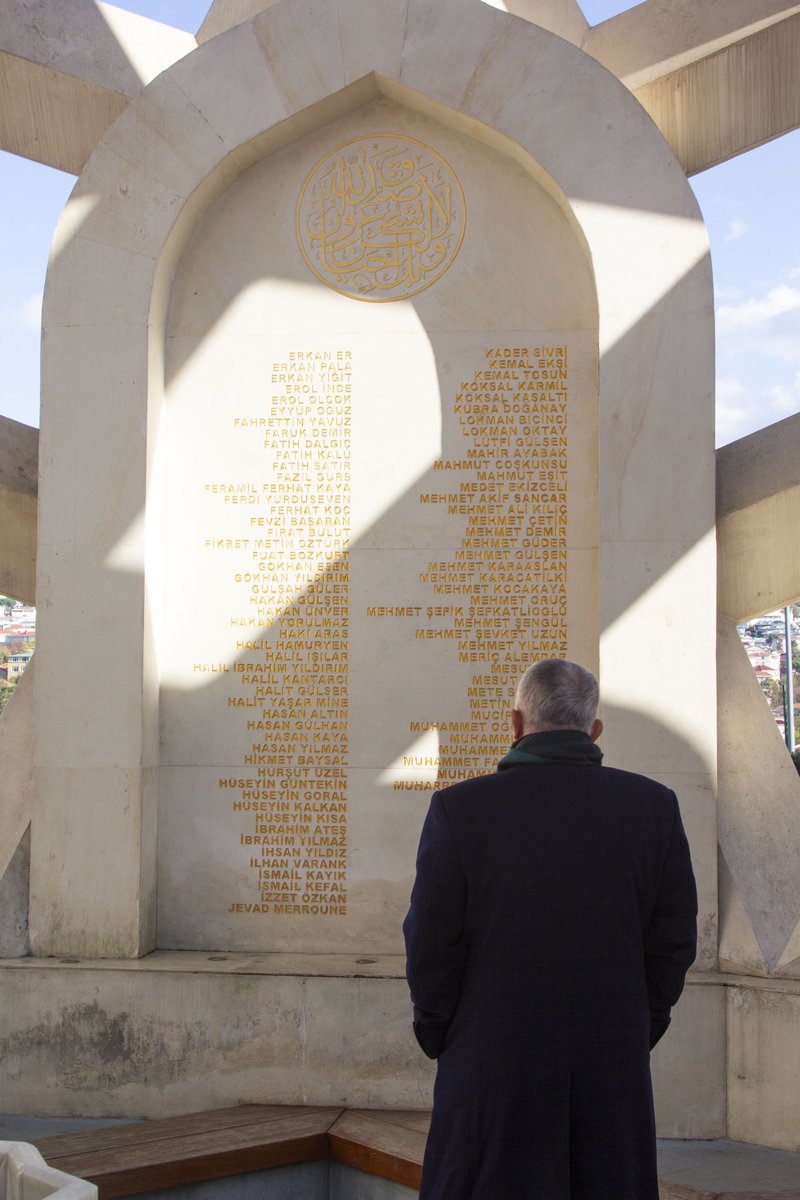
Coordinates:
724 1166
720 1166
29 1129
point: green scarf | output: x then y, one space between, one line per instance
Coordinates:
553 746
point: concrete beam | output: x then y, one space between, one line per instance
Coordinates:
662 36
758 521
19 458
67 70
717 78
224 14
52 118
738 98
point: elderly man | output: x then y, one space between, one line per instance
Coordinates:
552 922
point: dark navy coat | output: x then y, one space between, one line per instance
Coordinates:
552 922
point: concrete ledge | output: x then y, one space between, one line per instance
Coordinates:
174 1032
332 966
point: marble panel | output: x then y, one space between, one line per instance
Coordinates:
241 305
372 1054
443 50
763 1065
688 1066
669 407
191 1042
648 591
79 276
92 450
294 862
103 867
372 37
509 80
90 716
359 491
236 114
124 206
305 70
738 948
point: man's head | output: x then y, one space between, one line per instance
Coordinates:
556 694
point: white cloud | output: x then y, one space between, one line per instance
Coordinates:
736 229
727 293
735 414
785 398
730 390
27 315
758 312
743 408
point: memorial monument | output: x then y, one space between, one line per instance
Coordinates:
378 351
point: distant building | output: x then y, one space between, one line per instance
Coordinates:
16 664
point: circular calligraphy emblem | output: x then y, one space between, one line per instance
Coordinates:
381 218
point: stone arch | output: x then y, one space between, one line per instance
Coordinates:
157 169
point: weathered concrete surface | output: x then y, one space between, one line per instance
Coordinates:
657 38
563 17
764 1064
688 1065
16 786
717 78
759 816
224 14
67 70
733 100
182 1032
19 458
16 778
158 1043
758 520
14 902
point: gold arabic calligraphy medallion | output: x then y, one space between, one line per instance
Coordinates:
381 217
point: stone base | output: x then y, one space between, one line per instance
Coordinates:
177 1032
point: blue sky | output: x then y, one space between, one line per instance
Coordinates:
749 204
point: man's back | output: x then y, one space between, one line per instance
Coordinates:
551 926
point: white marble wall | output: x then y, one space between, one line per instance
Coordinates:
105 508
286 479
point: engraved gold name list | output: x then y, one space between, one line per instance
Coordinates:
290 679
501 601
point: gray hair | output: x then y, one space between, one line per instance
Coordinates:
557 694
